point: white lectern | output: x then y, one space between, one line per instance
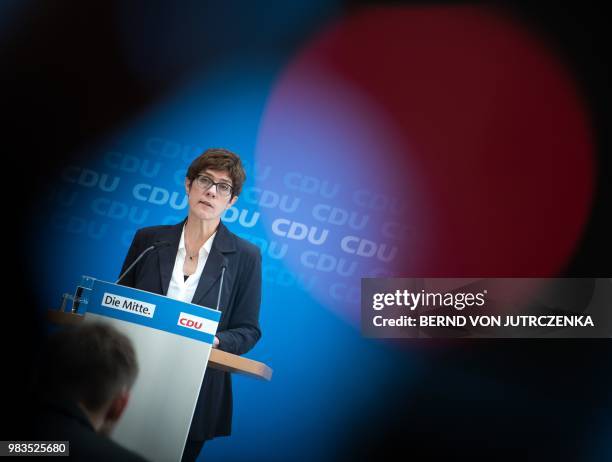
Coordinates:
173 342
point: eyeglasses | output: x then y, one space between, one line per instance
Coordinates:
205 183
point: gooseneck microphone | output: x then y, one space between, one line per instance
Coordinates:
156 245
223 267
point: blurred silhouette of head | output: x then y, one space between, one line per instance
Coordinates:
93 365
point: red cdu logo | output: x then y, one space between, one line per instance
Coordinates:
191 321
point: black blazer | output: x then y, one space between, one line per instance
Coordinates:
238 329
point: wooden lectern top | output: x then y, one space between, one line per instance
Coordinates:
218 359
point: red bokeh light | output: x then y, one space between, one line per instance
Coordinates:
489 132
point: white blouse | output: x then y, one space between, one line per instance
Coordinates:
181 289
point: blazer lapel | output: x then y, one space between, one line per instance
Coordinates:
223 243
212 272
167 255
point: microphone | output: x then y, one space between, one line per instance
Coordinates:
156 245
223 268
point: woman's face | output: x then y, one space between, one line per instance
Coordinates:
209 204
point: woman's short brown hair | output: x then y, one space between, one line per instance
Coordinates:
223 160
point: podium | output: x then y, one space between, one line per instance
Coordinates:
173 344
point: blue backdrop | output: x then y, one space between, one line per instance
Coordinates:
325 374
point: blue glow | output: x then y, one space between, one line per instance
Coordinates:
325 373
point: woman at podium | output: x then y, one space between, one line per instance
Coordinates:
187 264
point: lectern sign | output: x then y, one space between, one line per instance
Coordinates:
152 310
128 304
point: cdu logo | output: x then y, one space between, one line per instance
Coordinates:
197 323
